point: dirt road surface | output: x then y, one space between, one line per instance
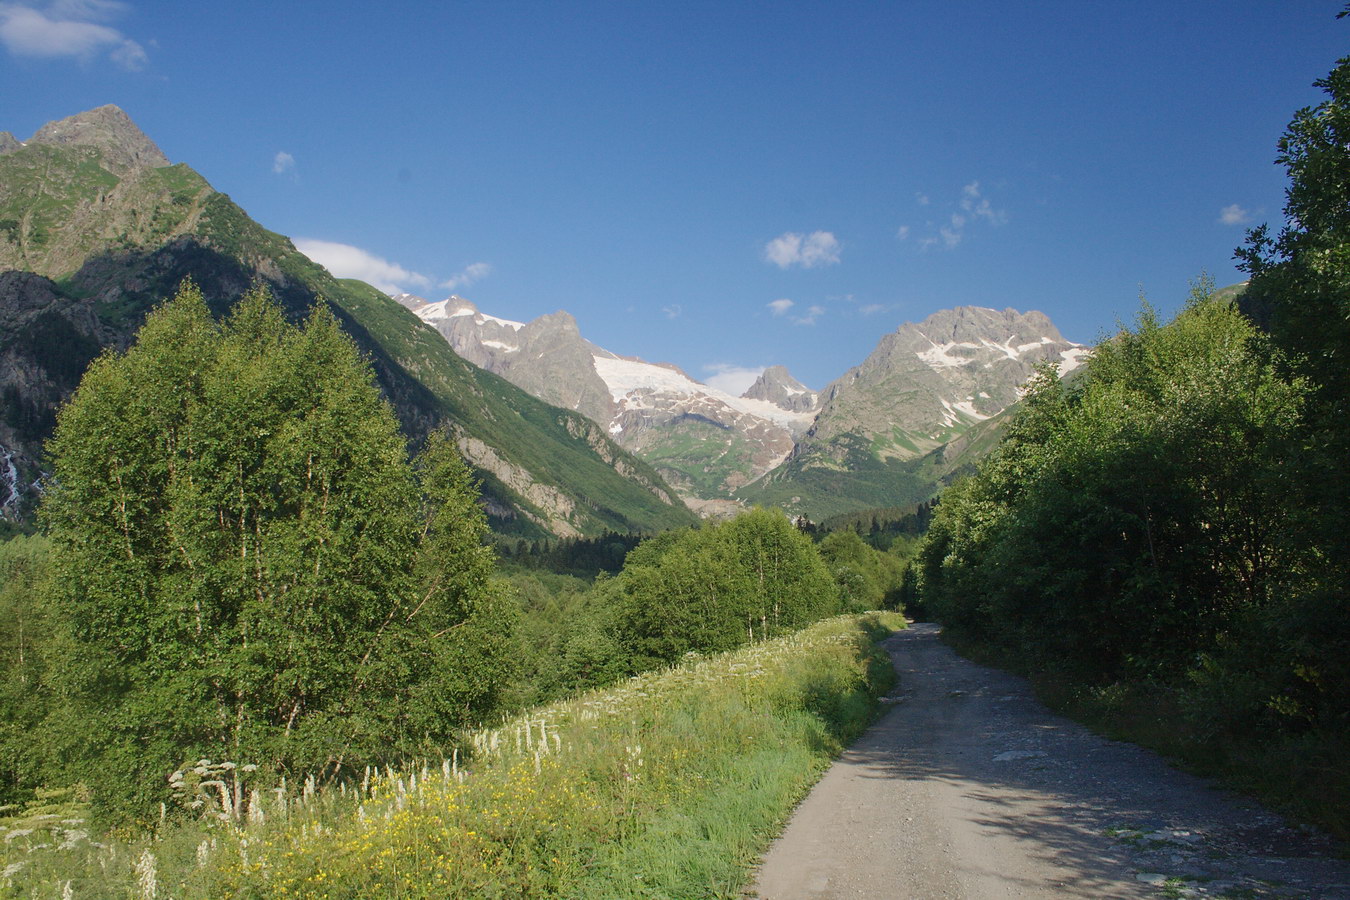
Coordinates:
969 788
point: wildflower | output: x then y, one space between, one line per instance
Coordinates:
145 875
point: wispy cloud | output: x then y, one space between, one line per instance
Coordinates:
871 309
70 29
346 261
733 379
785 306
902 233
283 162
975 203
471 273
819 248
972 206
672 311
812 313
1234 215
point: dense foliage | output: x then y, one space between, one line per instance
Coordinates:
1173 525
247 565
698 590
1131 520
240 563
26 633
668 785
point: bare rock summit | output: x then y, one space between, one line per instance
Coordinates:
124 146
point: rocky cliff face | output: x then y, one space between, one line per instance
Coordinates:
929 402
547 357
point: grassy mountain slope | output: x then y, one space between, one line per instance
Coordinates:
848 474
86 248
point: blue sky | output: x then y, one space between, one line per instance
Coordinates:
720 185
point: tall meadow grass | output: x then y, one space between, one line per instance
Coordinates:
668 785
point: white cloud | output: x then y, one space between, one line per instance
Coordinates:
780 307
735 380
973 202
972 207
812 313
283 162
471 273
346 261
903 233
87 10
871 309
819 248
69 28
921 199
1234 215
672 311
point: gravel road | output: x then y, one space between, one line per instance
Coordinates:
970 788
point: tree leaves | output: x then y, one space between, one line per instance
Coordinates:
239 535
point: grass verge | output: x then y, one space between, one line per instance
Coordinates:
669 785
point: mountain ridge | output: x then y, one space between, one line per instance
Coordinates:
94 231
704 441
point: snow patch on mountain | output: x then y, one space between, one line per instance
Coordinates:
637 385
1072 359
454 307
941 356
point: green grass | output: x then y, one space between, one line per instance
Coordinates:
701 455
668 785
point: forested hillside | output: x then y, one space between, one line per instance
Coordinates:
1166 537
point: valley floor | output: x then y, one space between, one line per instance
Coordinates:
970 788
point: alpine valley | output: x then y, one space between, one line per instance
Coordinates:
924 404
568 438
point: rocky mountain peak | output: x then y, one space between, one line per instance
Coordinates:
776 385
561 321
8 143
927 382
965 324
107 128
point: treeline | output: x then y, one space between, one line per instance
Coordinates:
882 526
699 590
1170 531
581 557
238 561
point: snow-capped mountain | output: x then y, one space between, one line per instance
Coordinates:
927 382
923 387
704 441
778 387
923 405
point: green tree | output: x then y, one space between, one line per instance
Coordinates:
1300 289
249 567
1127 522
26 636
715 588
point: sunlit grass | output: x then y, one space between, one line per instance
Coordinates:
667 785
